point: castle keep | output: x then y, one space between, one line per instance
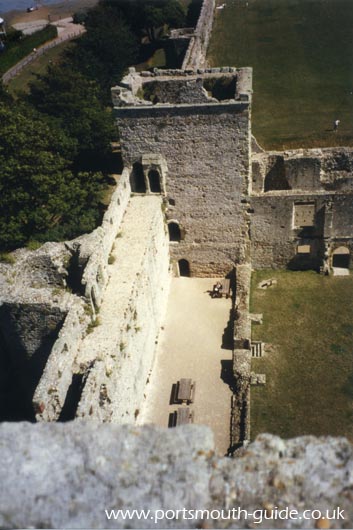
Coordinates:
199 125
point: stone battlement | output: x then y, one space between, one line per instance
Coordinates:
177 87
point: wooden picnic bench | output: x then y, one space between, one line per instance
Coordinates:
184 416
224 288
186 391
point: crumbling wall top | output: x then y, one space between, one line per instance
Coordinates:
92 470
178 87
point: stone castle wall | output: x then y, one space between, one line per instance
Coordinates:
195 56
112 350
98 247
283 182
307 170
120 350
240 413
92 252
70 474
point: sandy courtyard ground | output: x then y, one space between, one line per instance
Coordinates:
190 346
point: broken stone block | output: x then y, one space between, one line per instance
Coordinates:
256 318
257 379
267 283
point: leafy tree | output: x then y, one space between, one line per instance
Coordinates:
39 191
108 47
149 16
75 104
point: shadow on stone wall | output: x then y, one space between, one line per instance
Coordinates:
24 351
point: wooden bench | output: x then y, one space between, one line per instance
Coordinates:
226 287
186 391
184 416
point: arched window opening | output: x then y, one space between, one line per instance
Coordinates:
154 181
341 258
184 267
174 232
137 179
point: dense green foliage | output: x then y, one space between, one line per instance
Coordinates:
19 46
40 193
55 141
193 13
148 17
74 103
105 51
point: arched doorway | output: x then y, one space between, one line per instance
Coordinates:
184 267
174 231
137 179
341 258
154 181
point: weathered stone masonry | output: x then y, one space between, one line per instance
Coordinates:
68 347
301 208
186 140
206 144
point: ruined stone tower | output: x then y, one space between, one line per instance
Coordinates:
196 127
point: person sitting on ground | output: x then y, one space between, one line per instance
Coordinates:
217 287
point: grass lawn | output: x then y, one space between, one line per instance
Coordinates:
307 321
302 55
20 83
17 50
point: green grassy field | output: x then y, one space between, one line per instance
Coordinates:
307 321
17 50
20 83
302 55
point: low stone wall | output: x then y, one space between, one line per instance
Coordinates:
195 56
121 348
97 247
92 254
72 475
310 170
240 417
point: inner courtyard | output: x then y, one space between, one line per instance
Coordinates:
194 343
